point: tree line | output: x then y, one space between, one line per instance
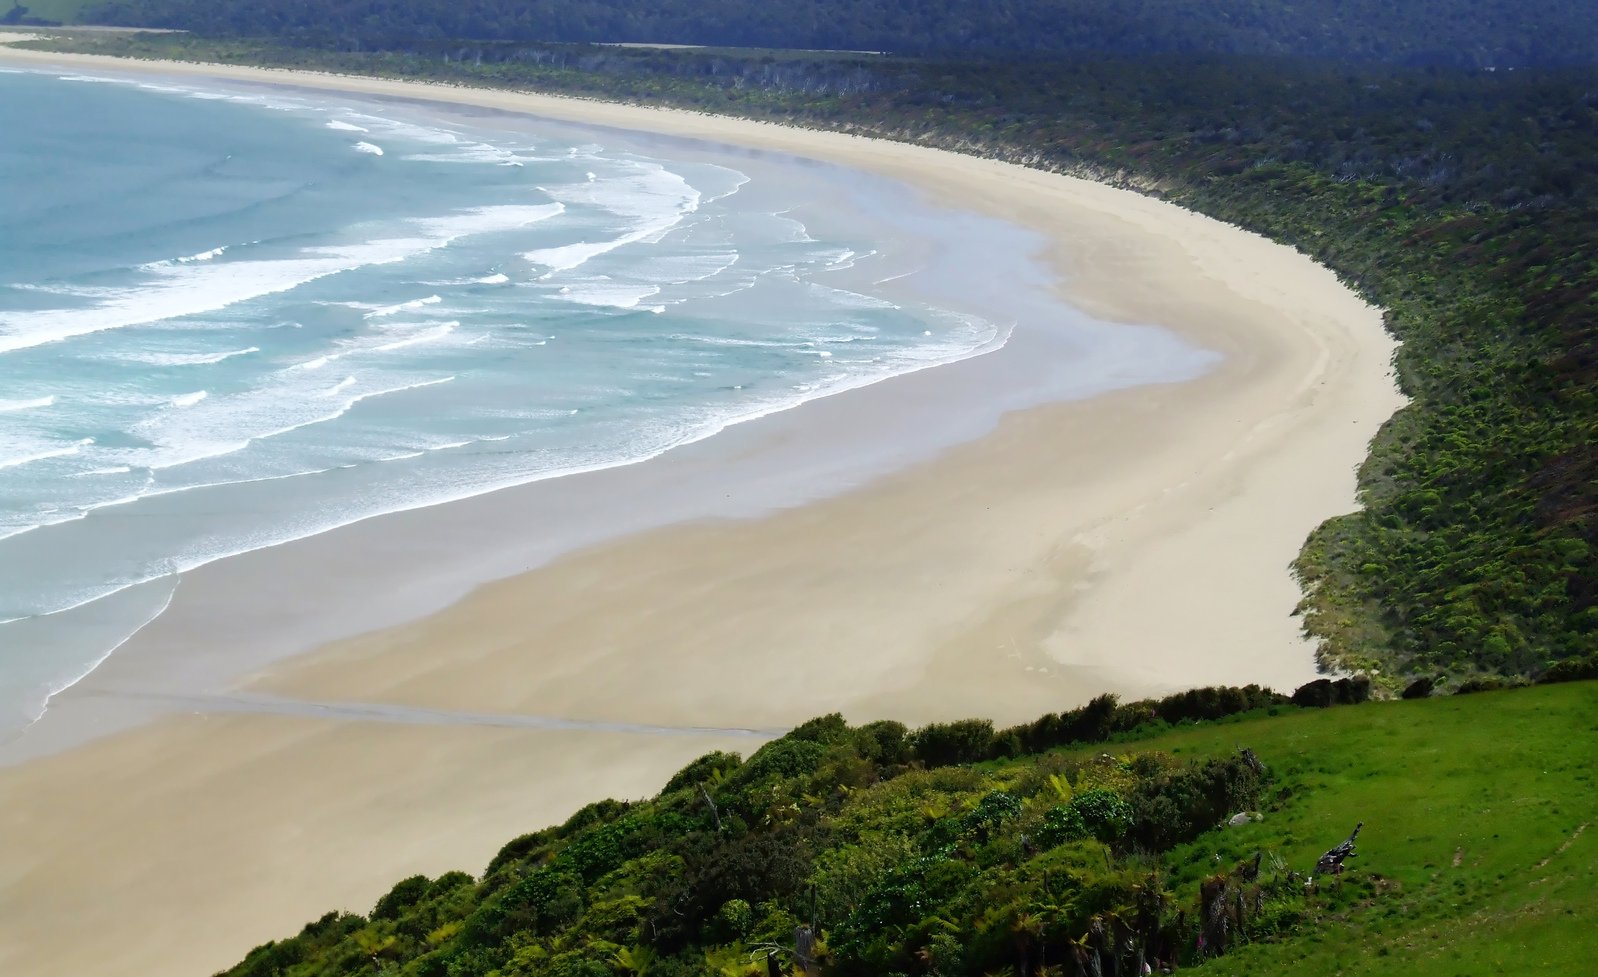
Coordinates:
1500 33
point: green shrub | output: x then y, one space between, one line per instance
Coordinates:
733 920
701 770
1095 813
1487 683
948 744
884 743
1571 670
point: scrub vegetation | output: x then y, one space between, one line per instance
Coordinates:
1168 833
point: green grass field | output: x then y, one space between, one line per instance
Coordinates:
1479 853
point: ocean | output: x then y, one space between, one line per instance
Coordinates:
231 318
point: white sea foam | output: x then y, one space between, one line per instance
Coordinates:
190 399
226 425
345 126
850 300
680 269
188 290
97 80
894 278
489 220
407 131
603 291
191 289
185 359
652 198
83 673
80 291
38 521
411 306
357 347
210 255
431 335
120 500
29 455
477 153
368 148
402 388
6 406
227 483
495 279
739 341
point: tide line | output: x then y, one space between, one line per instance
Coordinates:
250 703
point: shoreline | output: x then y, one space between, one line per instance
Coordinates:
955 259
1133 542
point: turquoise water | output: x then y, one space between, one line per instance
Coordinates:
234 318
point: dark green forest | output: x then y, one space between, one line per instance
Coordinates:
1500 33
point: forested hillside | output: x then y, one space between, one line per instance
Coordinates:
876 851
1457 32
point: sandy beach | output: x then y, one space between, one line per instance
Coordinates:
1135 542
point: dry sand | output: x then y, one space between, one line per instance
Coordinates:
1137 542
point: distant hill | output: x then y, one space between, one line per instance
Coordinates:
1456 32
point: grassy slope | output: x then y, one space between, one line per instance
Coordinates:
1479 852
1470 804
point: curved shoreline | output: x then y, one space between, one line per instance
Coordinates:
957 257
1133 542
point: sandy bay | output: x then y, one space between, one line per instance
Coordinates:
1132 542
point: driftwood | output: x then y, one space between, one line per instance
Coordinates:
804 948
1332 861
714 811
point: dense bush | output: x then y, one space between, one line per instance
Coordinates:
874 834
1178 806
1572 670
1328 692
1470 32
